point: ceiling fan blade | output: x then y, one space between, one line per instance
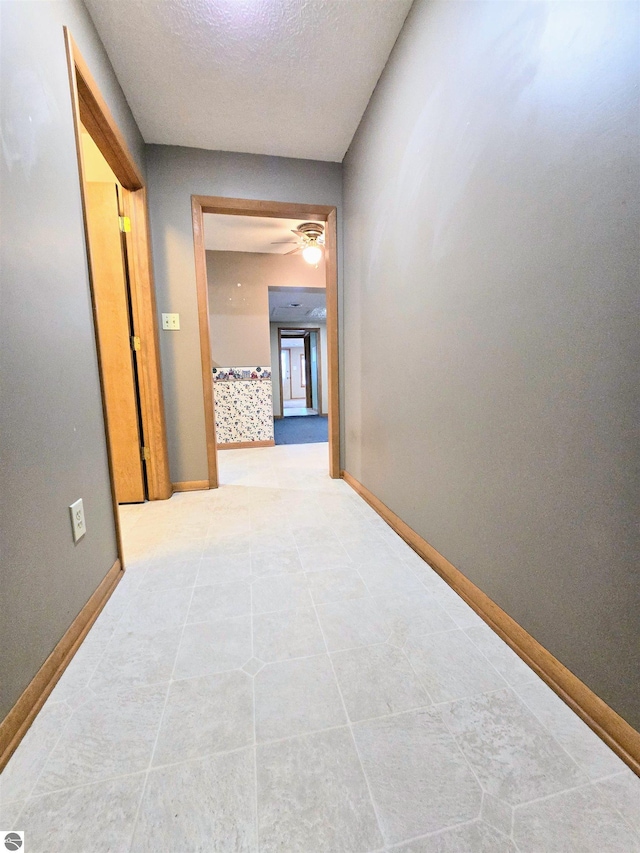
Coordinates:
277 242
293 251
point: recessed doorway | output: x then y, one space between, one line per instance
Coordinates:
223 301
302 418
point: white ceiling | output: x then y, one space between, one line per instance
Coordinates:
312 305
284 77
248 233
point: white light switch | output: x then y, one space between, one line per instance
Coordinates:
78 526
171 321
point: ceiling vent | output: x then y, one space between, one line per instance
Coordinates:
317 314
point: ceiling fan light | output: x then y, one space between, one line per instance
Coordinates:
312 254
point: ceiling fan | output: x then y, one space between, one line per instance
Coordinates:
310 241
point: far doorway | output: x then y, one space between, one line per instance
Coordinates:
300 381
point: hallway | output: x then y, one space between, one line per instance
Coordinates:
278 671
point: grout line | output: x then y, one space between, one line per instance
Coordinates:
318 500
15 822
551 796
615 806
420 680
68 788
469 696
255 739
465 758
350 727
435 834
50 753
551 733
161 721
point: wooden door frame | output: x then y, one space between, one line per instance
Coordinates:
90 109
283 210
292 327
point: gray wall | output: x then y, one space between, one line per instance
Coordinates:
52 434
174 175
491 338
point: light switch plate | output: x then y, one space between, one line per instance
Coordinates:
171 321
79 528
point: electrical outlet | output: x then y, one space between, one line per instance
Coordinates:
79 528
171 322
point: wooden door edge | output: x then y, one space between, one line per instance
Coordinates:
202 295
333 390
145 319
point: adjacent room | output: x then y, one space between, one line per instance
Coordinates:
268 337
299 356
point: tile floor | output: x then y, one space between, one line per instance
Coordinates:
278 671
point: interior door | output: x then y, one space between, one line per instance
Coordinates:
308 387
112 317
313 369
286 374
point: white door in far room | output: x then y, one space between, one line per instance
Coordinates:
286 374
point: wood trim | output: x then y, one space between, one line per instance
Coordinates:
191 486
90 108
143 303
252 207
333 389
622 738
111 297
17 722
242 445
72 55
202 293
97 118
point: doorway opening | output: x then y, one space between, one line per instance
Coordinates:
122 294
299 378
302 419
239 345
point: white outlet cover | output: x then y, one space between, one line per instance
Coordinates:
78 526
171 322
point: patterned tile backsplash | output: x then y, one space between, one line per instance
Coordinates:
243 404
240 374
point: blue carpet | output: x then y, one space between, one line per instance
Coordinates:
301 430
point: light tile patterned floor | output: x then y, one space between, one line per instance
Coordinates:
278 671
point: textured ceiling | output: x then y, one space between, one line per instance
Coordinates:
312 305
248 233
283 77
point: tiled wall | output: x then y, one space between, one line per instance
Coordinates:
243 404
